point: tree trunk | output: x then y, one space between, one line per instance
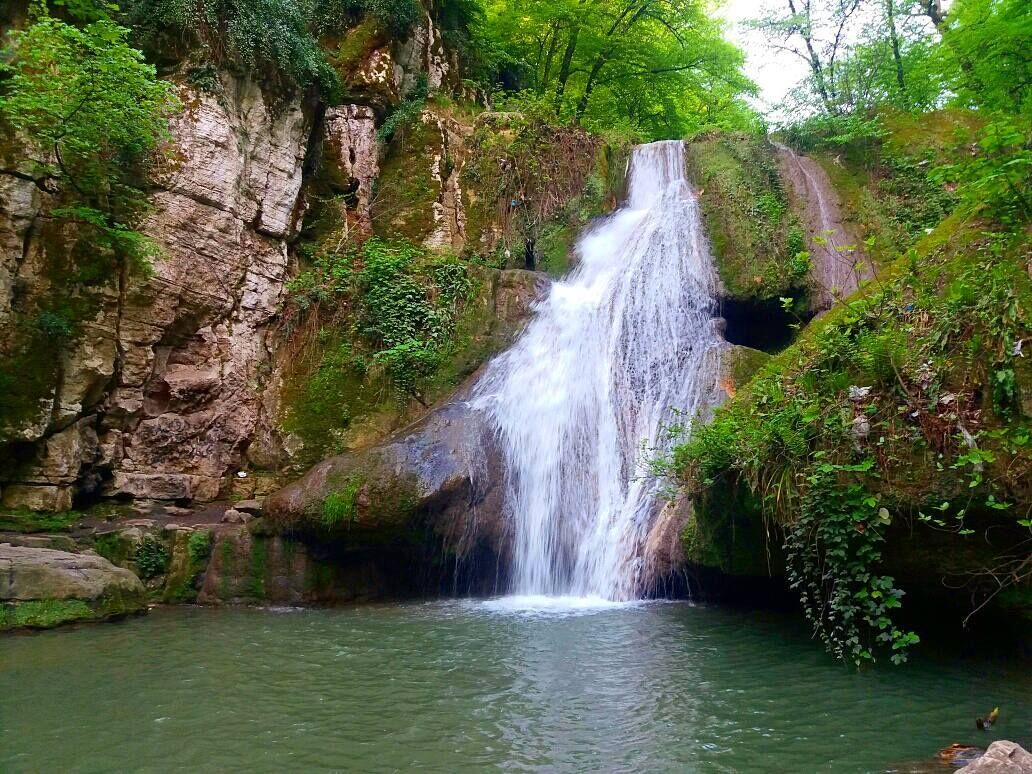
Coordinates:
547 70
933 10
890 17
564 68
596 68
812 57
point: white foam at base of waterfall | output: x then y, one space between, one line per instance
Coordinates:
618 351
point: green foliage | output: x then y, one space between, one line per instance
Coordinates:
997 177
151 557
408 314
406 112
34 521
87 119
398 16
980 62
94 116
871 408
395 309
44 613
831 549
340 507
283 39
757 244
275 37
986 45
661 70
198 547
835 131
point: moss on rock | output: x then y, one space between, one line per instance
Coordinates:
904 405
42 587
754 236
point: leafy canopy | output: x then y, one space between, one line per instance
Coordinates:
661 68
92 116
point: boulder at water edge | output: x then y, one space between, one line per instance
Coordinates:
1002 757
41 587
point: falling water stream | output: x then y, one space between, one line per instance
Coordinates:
618 350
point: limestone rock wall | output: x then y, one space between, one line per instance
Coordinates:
173 385
162 392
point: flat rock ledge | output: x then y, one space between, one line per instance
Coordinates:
42 587
1002 757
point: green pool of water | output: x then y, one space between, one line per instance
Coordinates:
469 686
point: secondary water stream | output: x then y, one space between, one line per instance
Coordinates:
471 686
612 353
838 261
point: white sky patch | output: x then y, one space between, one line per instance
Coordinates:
775 72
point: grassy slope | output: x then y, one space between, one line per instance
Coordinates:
933 337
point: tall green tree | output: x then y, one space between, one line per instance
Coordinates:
650 64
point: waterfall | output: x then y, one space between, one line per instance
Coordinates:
620 349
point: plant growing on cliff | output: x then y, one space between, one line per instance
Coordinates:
832 549
406 112
151 557
382 320
273 37
92 116
899 398
341 506
408 309
84 119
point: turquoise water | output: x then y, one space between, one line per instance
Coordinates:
472 686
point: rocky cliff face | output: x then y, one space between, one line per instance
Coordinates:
174 379
159 395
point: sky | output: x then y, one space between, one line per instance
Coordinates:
775 72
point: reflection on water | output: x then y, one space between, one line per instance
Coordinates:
519 685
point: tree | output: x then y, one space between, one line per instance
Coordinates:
644 63
91 115
816 34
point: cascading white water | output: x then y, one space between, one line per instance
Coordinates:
612 356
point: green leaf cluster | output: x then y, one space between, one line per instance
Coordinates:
402 305
904 394
91 118
658 69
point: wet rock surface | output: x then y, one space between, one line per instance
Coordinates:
837 262
444 473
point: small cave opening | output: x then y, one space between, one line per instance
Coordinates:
759 324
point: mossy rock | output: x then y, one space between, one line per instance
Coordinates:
887 198
331 406
41 588
726 532
746 213
738 365
882 389
191 549
407 187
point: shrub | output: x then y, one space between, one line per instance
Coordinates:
151 557
275 36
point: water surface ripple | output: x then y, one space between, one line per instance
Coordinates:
473 686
